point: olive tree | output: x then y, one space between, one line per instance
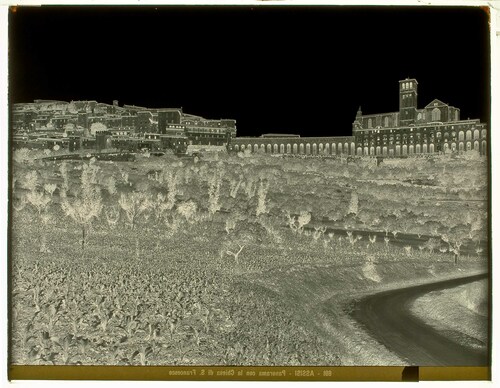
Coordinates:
87 205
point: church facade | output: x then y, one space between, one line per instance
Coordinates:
436 128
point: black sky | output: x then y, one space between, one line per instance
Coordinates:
273 69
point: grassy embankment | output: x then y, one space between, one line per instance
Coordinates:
460 313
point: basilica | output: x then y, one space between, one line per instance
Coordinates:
436 128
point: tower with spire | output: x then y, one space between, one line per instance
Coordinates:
357 124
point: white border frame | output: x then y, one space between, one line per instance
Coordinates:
495 161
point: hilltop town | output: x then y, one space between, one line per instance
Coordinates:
49 124
434 129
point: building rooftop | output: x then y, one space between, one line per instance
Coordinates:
279 135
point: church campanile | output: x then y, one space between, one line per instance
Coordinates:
407 101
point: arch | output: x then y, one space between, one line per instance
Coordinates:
476 134
386 121
236 147
288 148
411 150
339 149
314 149
398 150
301 148
424 148
365 151
419 116
377 150
308 149
484 147
436 114
461 146
359 151
275 148
404 149
243 147
468 135
468 146
370 123
263 148
483 133
431 148
417 149
269 148
327 149
453 147
353 148
461 136
295 149
320 148
476 145
384 150
391 152
446 147
255 148
372 150
334 149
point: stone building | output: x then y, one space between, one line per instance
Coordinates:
436 128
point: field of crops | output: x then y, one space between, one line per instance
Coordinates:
167 261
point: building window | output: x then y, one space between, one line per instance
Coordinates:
436 114
386 122
370 123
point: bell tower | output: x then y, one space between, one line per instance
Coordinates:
407 101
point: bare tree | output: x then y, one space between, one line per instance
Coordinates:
112 216
214 185
297 223
261 198
236 254
87 206
455 238
188 211
50 188
353 204
431 244
134 205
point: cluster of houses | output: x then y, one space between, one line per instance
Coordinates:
92 125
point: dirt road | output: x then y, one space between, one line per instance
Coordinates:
387 317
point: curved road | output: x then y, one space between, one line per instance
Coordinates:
387 317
